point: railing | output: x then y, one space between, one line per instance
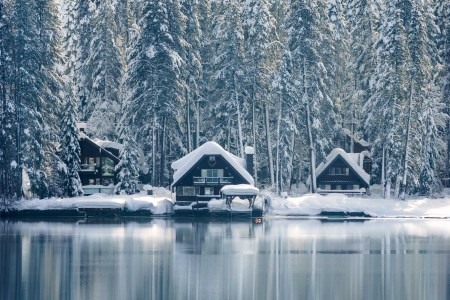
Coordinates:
212 180
88 167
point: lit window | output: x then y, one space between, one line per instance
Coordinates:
209 191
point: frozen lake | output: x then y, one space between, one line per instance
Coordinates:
274 259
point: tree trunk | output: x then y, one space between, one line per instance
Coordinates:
291 158
312 154
278 180
188 121
269 144
238 109
162 168
197 133
255 161
154 150
408 129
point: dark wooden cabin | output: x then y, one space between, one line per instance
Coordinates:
344 171
200 175
97 163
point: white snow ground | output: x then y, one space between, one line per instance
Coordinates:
304 205
314 204
159 203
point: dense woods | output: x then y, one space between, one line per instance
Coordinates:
163 77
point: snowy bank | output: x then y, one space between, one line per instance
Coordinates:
155 204
315 204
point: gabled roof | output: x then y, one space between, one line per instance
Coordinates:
101 149
184 164
362 142
350 158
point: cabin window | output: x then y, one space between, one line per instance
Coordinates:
188 190
338 171
107 166
212 161
209 191
212 172
325 187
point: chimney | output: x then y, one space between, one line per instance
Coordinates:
249 153
82 126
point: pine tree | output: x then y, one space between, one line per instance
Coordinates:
70 148
286 124
127 170
104 64
309 44
228 73
194 70
384 120
261 45
8 163
36 89
442 20
361 61
155 83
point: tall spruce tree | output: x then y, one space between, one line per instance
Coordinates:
104 64
384 108
361 61
8 163
261 45
309 43
228 73
155 83
127 170
70 148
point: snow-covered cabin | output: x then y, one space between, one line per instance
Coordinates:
98 161
343 171
351 143
201 174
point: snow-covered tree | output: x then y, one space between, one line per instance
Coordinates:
261 48
384 110
105 68
8 159
309 44
36 84
361 61
155 86
286 124
193 36
127 170
70 148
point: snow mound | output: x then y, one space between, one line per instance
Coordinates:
155 204
314 204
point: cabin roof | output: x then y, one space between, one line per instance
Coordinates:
101 149
352 159
185 164
362 142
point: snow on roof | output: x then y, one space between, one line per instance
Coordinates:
240 189
84 136
351 135
352 160
108 144
184 164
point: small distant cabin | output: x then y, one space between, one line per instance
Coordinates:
350 143
98 161
342 171
200 175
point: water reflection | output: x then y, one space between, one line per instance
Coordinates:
277 259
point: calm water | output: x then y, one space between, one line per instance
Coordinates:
277 259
